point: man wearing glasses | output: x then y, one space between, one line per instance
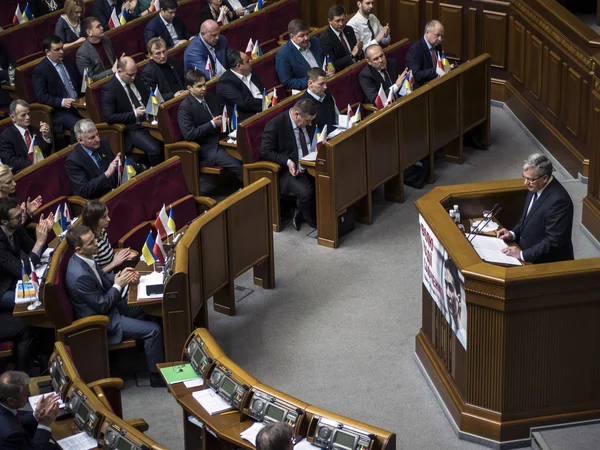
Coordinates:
544 231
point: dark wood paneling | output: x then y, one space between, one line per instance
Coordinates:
472 41
495 37
552 85
516 46
573 105
533 66
451 17
430 14
407 23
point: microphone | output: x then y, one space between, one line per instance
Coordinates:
478 228
482 224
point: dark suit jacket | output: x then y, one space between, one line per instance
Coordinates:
64 31
544 234
292 67
11 260
87 57
116 107
279 143
48 86
14 151
370 80
207 14
151 75
418 59
88 180
232 91
196 54
22 436
331 45
156 28
195 125
90 297
102 11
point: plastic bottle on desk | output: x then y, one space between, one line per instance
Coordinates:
11 74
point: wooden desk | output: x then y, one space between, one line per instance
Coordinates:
231 148
82 107
153 128
152 306
309 166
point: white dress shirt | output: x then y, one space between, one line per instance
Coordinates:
342 37
247 80
297 132
362 32
135 91
307 54
23 130
92 264
171 30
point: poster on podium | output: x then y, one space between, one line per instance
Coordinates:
444 282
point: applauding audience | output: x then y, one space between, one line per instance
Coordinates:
167 26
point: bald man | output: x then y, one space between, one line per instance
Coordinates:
423 54
209 46
124 100
379 72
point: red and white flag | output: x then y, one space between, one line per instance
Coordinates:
159 249
249 47
274 100
224 120
114 21
322 138
155 6
390 98
18 17
381 99
349 112
162 223
209 68
439 70
222 19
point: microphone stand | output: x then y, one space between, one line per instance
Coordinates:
483 223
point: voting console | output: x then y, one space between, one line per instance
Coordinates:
522 353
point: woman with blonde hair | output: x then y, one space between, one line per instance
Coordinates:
8 187
68 27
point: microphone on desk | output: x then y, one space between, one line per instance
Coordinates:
483 223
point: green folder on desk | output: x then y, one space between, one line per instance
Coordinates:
179 373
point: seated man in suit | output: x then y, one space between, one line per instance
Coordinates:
380 72
327 110
339 41
287 138
16 330
167 26
544 231
213 9
162 71
298 55
15 246
24 430
367 26
92 291
275 436
209 46
16 140
96 54
103 9
239 86
200 121
57 82
423 54
123 100
90 166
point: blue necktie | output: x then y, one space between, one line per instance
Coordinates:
64 76
96 158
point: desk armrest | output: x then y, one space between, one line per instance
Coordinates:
139 424
82 324
205 202
108 383
263 165
41 108
118 127
369 107
136 235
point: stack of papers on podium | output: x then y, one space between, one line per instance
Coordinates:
251 433
305 445
312 156
211 402
490 249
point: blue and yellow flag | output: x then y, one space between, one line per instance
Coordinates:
256 51
445 63
171 222
330 67
147 250
234 118
60 221
27 15
266 100
259 6
122 19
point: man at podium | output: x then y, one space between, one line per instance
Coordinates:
544 231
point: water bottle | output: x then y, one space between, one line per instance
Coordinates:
456 214
451 214
11 74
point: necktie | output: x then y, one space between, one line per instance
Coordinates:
370 29
303 142
96 158
27 139
386 76
343 41
66 81
11 241
433 56
207 108
533 200
134 99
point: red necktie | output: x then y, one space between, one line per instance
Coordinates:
303 142
433 57
343 41
27 139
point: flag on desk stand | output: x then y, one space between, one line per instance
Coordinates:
155 6
86 80
122 19
27 15
158 250
147 250
171 221
439 70
209 69
152 105
18 17
259 5
381 99
34 153
356 118
349 115
266 100
406 86
391 97
34 280
234 119
328 65
445 63
274 100
321 138
256 51
114 21
67 213
224 120
126 172
158 95
162 224
60 222
219 70
250 47
222 19
27 289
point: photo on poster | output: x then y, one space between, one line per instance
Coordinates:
455 300
433 263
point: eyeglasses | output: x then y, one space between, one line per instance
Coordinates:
531 180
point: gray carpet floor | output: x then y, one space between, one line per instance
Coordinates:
338 332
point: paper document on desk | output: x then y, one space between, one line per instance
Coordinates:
34 399
305 445
79 441
251 433
233 134
295 91
490 249
211 402
335 132
342 121
150 279
312 156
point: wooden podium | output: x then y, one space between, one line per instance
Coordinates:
532 333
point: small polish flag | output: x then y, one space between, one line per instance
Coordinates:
381 99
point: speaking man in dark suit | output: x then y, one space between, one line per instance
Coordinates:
163 71
239 86
16 139
123 101
544 231
57 82
96 54
91 166
17 246
339 41
167 26
24 430
209 46
327 110
298 55
92 291
287 138
379 72
422 56
200 121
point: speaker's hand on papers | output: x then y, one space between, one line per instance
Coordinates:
504 234
292 168
512 251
